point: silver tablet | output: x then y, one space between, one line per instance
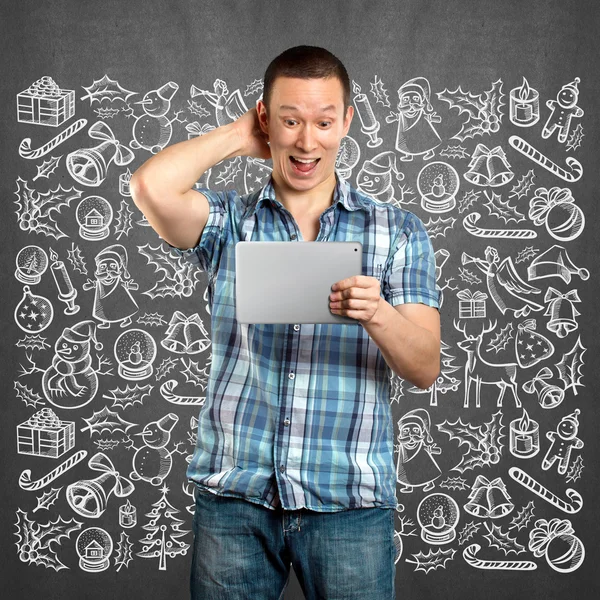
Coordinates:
290 282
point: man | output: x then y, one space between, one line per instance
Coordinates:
294 461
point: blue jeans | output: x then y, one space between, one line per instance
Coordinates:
244 551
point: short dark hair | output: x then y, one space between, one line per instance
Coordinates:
306 62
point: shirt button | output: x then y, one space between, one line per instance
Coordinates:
286 422
282 468
291 376
293 236
296 327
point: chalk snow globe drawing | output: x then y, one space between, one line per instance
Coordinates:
32 262
438 517
94 215
135 351
438 184
94 547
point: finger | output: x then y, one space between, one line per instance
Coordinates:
355 281
351 304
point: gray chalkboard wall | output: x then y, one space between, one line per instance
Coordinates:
508 94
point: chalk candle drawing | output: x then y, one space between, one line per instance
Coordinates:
524 105
556 540
113 302
562 111
153 130
563 441
561 311
94 215
66 292
416 465
369 124
488 167
26 483
438 516
478 370
488 499
89 497
556 209
89 166
375 176
438 183
44 103
575 500
471 558
124 183
416 135
504 284
549 396
228 106
575 169
32 262
34 313
44 434
94 547
347 157
524 437
135 351
127 515
152 462
555 262
470 225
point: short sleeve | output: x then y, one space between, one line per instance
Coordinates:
207 253
410 277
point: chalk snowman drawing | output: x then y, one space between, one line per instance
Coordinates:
390 155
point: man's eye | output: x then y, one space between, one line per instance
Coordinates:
289 122
325 123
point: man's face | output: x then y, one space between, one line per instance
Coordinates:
305 121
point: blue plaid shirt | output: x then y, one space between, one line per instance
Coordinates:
299 415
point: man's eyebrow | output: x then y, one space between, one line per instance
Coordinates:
328 108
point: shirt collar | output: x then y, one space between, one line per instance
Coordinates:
342 193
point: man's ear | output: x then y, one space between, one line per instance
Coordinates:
348 119
263 119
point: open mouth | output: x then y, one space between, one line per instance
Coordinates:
304 166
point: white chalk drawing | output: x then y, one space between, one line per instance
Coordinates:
561 311
167 392
375 176
521 520
438 515
416 465
571 175
66 292
562 443
562 111
523 185
488 499
556 540
555 262
471 304
575 138
36 542
524 437
94 215
106 89
470 555
186 335
556 209
347 157
549 395
25 150
124 552
152 462
44 103
44 434
228 106
478 370
524 105
32 262
153 130
569 367
438 183
89 166
47 499
34 313
369 123
488 167
574 504
127 515
531 347
431 560
89 497
26 483
135 351
164 533
94 547
416 135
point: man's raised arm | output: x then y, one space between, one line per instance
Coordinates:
162 188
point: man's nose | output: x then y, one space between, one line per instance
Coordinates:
306 139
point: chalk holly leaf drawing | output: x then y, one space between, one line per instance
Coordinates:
194 374
467 532
47 167
107 444
526 254
379 92
106 420
152 319
122 398
439 226
454 483
501 209
575 139
123 557
76 259
498 539
28 395
33 342
37 211
523 516
106 89
165 367
569 367
34 539
575 470
123 225
47 499
454 152
523 185
501 339
433 560
255 86
230 171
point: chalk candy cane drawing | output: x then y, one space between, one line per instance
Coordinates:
576 501
536 156
26 483
25 150
469 554
469 223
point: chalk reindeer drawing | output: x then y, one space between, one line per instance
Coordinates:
503 374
